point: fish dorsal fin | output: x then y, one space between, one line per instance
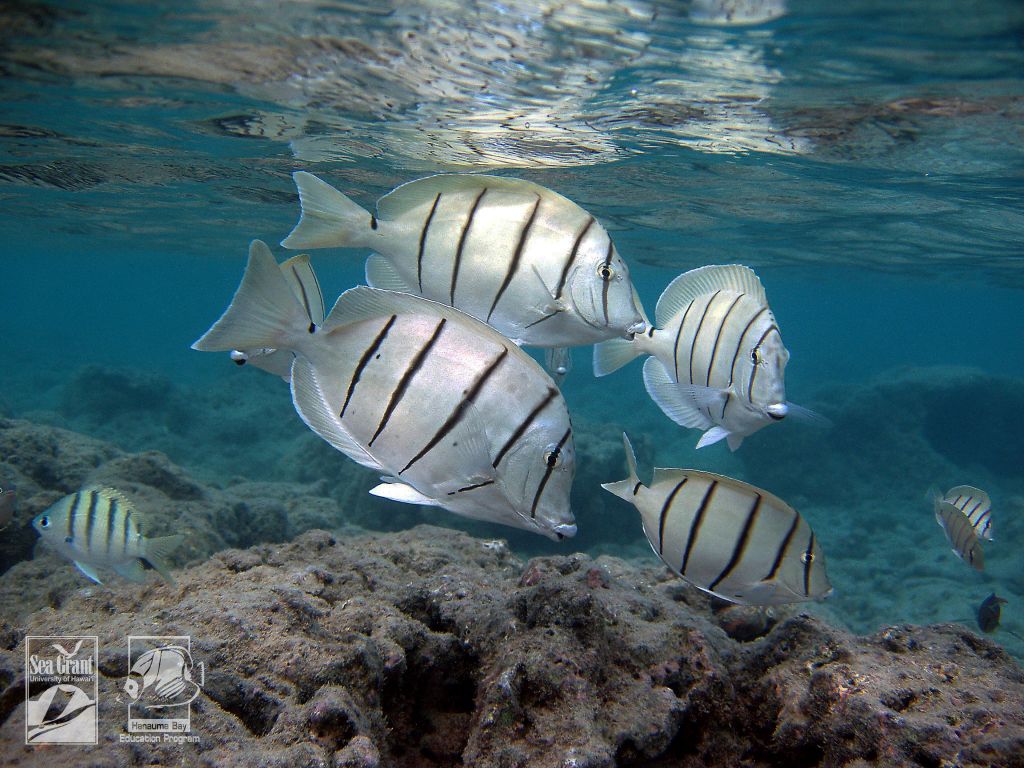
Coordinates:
300 276
674 400
380 274
311 404
703 280
667 475
968 490
112 493
423 191
365 303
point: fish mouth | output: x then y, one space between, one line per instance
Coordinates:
638 327
777 411
564 531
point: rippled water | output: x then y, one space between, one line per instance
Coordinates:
866 159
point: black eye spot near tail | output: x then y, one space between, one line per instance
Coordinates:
312 327
373 222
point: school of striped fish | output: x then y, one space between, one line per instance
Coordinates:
419 376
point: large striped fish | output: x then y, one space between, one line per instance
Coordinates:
717 359
518 256
449 411
726 537
975 504
100 528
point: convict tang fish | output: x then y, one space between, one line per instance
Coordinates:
100 527
528 261
963 533
449 411
975 505
726 537
717 359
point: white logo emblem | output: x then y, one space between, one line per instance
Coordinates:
61 688
163 680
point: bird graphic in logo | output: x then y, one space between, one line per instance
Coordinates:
65 653
162 677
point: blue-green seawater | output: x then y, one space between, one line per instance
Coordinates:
867 162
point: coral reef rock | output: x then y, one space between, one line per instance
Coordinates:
433 648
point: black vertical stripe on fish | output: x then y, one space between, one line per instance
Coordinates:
111 517
982 517
718 338
973 510
741 543
700 325
423 241
808 563
305 298
364 360
403 383
783 548
698 519
725 403
521 429
663 515
517 254
548 469
90 521
606 283
541 320
739 343
457 265
754 370
572 257
70 532
127 528
679 334
472 487
636 487
468 398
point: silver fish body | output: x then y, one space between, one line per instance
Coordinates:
449 411
975 504
717 361
526 260
960 534
726 537
99 527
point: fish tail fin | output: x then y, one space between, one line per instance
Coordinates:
264 311
626 489
329 219
612 354
157 552
934 495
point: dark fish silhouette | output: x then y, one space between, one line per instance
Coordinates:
989 612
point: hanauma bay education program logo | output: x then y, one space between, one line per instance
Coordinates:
61 688
163 680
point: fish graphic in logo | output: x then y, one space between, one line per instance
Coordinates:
161 685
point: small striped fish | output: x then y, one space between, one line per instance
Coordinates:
299 273
717 359
99 527
449 411
975 504
726 537
960 534
528 261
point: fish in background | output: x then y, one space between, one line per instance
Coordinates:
989 613
520 257
8 504
726 537
717 361
100 528
449 411
964 514
306 287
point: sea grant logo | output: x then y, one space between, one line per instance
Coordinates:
162 682
61 688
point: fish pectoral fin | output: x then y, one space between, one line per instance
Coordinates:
380 273
88 570
132 570
676 400
807 416
713 435
402 492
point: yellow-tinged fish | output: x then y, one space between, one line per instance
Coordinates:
449 411
100 528
717 360
726 537
526 260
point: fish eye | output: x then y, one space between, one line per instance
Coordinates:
807 558
605 271
553 456
44 522
755 356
